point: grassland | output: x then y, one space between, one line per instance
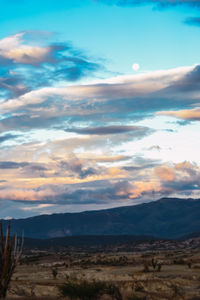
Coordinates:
153 273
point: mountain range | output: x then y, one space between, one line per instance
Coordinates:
165 218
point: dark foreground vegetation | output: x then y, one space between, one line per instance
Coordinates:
10 252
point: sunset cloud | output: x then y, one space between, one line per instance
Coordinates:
70 139
161 180
185 114
165 173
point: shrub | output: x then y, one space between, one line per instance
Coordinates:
154 263
159 267
179 261
54 273
87 290
177 291
189 263
146 267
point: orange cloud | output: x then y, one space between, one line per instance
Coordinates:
141 187
165 173
185 114
24 195
184 165
114 171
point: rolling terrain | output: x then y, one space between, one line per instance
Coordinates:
166 218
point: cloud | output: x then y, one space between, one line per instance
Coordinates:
8 136
165 173
11 165
193 21
106 130
77 167
74 144
185 114
179 179
150 180
110 159
160 3
188 83
23 170
111 102
155 147
26 65
13 50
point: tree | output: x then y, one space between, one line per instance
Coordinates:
10 252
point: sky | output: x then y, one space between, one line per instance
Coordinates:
99 104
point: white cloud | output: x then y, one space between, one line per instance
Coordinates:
14 49
116 87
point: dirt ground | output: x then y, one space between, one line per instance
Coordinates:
137 275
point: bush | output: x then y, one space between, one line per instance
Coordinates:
87 290
179 261
146 267
54 273
82 289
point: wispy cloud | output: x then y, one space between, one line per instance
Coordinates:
160 3
113 100
7 137
193 21
26 66
106 130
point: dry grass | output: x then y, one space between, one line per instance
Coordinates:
33 278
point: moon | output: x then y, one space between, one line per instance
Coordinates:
135 67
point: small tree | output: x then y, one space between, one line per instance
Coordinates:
10 252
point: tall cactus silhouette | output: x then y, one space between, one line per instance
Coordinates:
10 251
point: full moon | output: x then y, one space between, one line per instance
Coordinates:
135 67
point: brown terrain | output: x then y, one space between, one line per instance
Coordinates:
150 270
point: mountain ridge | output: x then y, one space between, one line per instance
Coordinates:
164 218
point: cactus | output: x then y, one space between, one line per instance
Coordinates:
10 252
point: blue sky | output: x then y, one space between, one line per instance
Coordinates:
121 35
80 127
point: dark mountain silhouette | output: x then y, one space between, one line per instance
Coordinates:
192 235
165 218
85 242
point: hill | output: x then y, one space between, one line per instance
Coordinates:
165 218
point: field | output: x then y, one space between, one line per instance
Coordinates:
149 273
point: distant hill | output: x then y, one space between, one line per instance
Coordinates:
193 235
91 242
165 218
